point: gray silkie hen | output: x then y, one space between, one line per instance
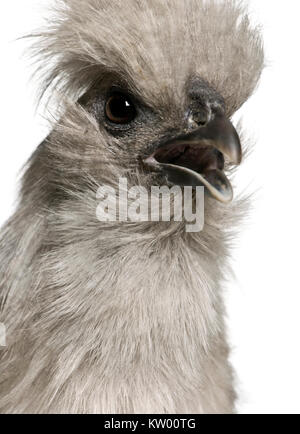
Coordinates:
127 317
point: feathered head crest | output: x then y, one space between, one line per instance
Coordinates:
153 45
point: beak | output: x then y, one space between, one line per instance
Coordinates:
198 158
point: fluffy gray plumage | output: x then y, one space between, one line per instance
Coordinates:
121 317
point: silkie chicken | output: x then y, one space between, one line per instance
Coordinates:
127 317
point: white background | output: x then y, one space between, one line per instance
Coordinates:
264 301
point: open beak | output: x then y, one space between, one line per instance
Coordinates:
198 158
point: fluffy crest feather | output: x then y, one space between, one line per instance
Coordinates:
153 46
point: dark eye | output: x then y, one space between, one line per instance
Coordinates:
119 109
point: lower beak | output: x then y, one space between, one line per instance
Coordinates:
198 158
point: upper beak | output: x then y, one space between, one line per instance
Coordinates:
197 158
221 134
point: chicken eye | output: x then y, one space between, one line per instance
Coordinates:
119 109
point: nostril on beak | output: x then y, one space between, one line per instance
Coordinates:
197 119
201 118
